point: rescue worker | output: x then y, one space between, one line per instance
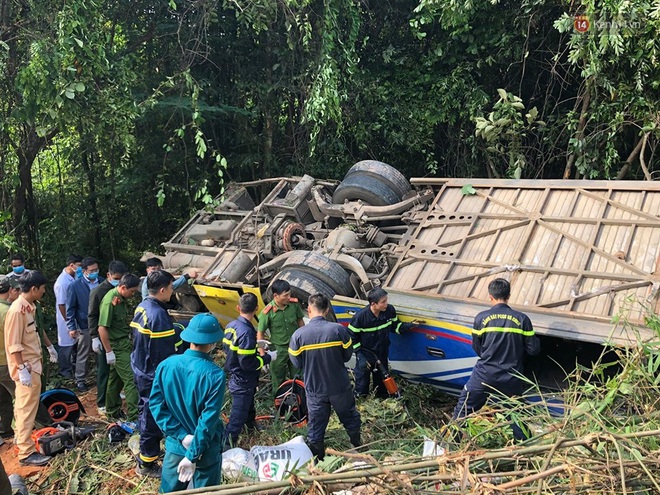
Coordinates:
320 349
114 331
501 337
282 316
370 330
155 338
116 270
23 350
243 364
186 402
155 264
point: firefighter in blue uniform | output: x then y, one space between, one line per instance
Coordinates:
370 330
320 349
243 364
186 403
155 338
501 337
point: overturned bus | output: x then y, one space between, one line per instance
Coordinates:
583 258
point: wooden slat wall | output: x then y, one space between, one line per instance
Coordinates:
581 247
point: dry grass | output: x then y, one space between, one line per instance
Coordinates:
605 443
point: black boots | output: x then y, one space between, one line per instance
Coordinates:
354 436
318 449
254 426
148 469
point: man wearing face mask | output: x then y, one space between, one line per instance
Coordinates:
17 263
77 304
116 270
64 340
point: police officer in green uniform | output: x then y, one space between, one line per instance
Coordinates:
282 316
115 333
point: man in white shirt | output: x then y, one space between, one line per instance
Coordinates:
64 339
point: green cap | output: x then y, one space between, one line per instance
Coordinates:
203 329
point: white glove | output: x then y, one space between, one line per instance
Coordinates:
187 440
97 347
273 355
186 469
110 358
262 344
25 377
53 353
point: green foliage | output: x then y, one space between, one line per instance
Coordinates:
505 131
617 62
136 113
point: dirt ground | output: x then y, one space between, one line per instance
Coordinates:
91 417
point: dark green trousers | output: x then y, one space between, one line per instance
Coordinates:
282 369
121 377
204 476
102 374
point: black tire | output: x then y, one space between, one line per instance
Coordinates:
302 284
323 268
365 188
384 173
188 302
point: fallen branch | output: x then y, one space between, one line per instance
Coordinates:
530 479
94 466
475 459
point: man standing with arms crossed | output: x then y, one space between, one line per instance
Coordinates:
501 336
320 349
23 350
155 338
282 316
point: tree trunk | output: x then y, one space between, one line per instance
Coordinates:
25 211
579 133
88 167
631 157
